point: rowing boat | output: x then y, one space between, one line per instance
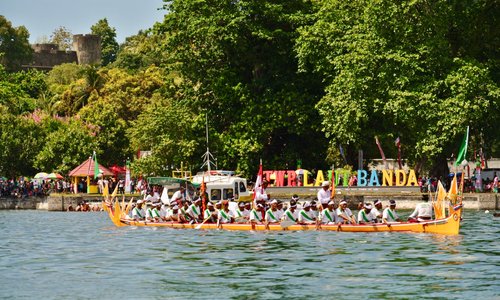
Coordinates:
448 226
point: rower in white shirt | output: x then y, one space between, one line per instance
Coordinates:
345 213
155 212
270 213
225 216
390 215
365 216
423 212
328 215
324 194
137 212
256 214
291 214
246 210
210 213
306 215
178 196
377 210
194 211
238 211
279 212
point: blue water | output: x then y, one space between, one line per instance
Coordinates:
51 255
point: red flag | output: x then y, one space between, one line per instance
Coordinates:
203 191
483 161
381 151
332 195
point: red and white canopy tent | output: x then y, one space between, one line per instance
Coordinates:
86 170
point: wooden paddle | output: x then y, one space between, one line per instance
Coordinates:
287 223
199 225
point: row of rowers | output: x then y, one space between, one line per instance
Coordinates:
273 212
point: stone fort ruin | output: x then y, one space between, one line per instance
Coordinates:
87 50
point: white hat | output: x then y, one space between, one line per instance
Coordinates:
325 183
376 202
307 204
331 203
343 202
140 201
368 206
274 201
260 205
210 204
175 207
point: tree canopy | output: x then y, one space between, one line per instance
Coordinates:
280 81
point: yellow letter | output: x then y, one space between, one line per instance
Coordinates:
400 182
386 177
412 179
306 180
319 178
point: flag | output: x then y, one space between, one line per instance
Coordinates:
258 184
258 181
463 149
397 142
483 161
203 190
332 195
96 165
381 151
453 192
439 207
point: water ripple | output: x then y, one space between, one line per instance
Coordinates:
83 256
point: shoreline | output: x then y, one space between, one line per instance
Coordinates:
405 199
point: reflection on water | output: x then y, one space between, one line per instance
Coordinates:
76 255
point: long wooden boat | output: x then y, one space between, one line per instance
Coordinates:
448 226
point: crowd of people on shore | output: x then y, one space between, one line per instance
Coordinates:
324 210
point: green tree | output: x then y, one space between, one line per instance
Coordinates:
235 61
109 45
67 144
141 51
390 70
14 45
20 137
62 37
167 130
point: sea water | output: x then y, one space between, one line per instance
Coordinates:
59 255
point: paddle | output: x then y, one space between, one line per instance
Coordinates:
199 225
286 223
240 220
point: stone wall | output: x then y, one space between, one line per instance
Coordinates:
22 203
88 48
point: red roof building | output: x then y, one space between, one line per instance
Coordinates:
87 169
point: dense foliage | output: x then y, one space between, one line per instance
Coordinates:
278 80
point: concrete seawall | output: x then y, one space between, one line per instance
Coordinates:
405 199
